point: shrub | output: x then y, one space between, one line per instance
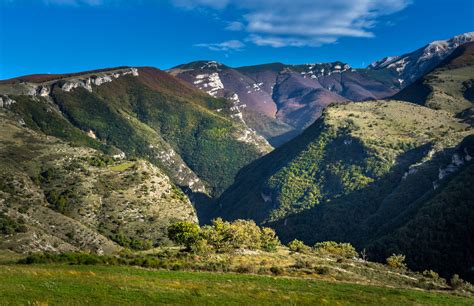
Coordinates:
269 240
245 268
455 282
431 274
298 246
10 226
184 233
302 264
202 246
458 283
322 270
333 248
276 270
396 261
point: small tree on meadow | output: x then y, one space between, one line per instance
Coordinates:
184 233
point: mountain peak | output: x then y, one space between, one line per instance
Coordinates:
205 65
411 66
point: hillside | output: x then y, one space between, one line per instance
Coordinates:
56 197
448 86
352 171
198 141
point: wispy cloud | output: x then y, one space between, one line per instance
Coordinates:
303 22
230 45
235 26
278 23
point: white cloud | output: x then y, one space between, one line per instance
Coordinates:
235 26
278 42
230 45
280 23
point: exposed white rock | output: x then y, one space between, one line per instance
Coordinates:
6 101
457 160
43 91
266 197
410 171
96 80
211 65
210 83
120 155
91 134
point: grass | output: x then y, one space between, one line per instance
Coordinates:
122 167
73 285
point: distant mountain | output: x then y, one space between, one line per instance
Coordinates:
366 173
288 98
449 86
411 66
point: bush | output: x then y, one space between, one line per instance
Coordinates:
10 226
298 246
302 264
184 233
269 240
458 283
276 270
322 270
245 268
455 282
396 261
431 274
333 248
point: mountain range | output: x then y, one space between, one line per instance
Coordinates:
289 98
380 156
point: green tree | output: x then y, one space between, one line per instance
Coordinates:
245 234
184 233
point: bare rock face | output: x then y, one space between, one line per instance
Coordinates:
6 101
87 82
43 86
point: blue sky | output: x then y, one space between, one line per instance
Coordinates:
55 36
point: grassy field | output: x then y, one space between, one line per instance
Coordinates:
72 285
